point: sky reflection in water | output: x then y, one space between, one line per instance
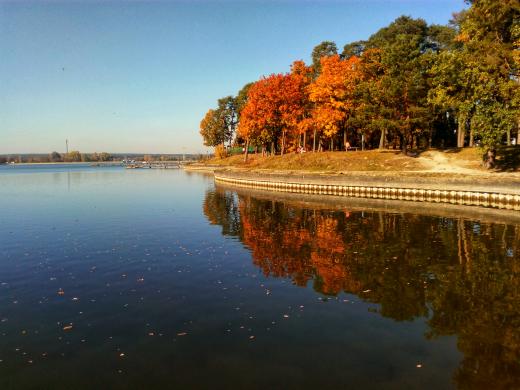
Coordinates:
154 278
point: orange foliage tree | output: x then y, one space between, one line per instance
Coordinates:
302 76
275 106
260 119
333 94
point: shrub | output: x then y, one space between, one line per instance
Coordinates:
220 151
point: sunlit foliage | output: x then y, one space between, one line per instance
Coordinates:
409 85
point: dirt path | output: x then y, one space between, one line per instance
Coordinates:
434 161
442 162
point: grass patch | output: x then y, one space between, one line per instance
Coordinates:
326 161
456 160
449 160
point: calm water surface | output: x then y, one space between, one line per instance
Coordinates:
113 278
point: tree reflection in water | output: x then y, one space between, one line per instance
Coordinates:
462 276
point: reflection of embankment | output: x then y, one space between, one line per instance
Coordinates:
462 275
331 202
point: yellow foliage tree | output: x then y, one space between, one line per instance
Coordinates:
332 93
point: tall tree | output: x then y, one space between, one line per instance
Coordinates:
219 125
353 49
490 34
274 107
402 45
211 129
301 122
453 90
260 121
371 115
241 98
227 110
324 49
332 93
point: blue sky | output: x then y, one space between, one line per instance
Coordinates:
139 76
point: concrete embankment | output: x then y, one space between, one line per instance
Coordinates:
485 190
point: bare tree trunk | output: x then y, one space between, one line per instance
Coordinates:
471 137
508 134
273 150
518 133
305 141
382 139
332 144
489 162
283 142
461 132
246 151
345 139
362 141
314 142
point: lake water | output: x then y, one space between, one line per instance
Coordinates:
114 278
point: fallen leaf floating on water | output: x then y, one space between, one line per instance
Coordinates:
61 292
67 327
182 334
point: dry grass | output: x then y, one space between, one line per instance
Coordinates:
467 160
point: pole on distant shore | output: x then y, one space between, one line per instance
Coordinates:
67 146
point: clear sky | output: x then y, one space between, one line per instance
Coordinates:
139 76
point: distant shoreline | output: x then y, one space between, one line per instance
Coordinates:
60 163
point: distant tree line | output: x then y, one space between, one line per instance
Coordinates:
73 156
76 156
410 85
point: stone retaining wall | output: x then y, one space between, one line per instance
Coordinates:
420 190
